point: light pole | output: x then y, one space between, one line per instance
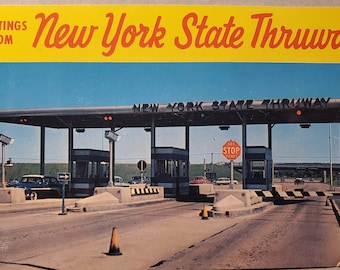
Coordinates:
112 137
331 155
204 163
4 141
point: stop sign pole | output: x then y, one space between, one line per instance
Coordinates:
231 150
141 165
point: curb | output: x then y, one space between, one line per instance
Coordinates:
95 207
335 207
70 206
43 204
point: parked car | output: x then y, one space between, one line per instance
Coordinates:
200 180
37 186
137 179
118 181
225 181
299 181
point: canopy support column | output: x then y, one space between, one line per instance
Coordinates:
112 160
270 126
42 150
244 147
153 146
70 148
187 146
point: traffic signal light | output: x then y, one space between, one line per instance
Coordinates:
23 120
108 118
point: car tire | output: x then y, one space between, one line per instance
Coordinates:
33 196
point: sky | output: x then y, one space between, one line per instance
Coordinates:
51 85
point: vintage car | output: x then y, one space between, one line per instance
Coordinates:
137 179
200 180
38 186
225 181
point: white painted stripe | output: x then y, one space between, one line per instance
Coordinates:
298 194
282 194
312 193
44 189
267 194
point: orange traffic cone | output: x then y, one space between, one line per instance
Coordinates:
205 213
114 245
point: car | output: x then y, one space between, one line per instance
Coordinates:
299 181
118 181
37 185
137 180
12 182
225 181
200 180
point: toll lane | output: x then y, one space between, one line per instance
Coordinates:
297 234
147 234
172 235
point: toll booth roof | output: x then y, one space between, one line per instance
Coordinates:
90 154
170 153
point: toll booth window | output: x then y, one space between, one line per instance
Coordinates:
183 169
165 168
171 168
256 171
93 173
80 169
104 169
175 168
160 168
86 169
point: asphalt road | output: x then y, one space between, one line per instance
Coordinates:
299 234
171 235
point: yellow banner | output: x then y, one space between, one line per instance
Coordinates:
162 33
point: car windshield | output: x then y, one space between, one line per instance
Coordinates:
31 180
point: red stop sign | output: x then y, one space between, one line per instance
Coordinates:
231 150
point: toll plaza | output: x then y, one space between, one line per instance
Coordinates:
256 163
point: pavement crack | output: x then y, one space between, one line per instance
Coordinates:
182 252
158 264
28 264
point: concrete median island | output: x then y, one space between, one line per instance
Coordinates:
12 195
107 198
232 203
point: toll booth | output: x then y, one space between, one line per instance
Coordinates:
259 168
171 170
90 169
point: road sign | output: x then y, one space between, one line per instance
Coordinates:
141 165
64 176
231 150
